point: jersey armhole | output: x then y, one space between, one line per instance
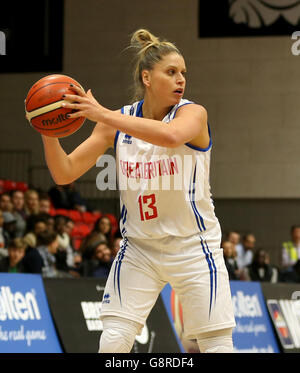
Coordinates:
202 149
209 132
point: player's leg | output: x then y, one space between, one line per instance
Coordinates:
202 285
216 341
118 334
131 291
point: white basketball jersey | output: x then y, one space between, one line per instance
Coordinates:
164 191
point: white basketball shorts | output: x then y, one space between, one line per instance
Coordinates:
195 270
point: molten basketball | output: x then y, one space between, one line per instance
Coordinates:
43 106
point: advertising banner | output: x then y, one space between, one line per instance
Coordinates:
25 320
283 301
76 305
253 332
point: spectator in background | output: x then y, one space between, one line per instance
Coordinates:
233 237
6 203
75 199
100 263
260 269
103 225
59 197
245 250
67 197
44 203
291 249
3 250
47 248
17 199
100 232
32 204
35 225
49 221
228 252
116 246
13 262
9 227
69 226
291 274
65 254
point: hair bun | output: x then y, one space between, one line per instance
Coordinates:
142 38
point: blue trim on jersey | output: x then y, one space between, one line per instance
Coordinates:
205 249
215 269
211 274
193 201
199 219
122 212
139 110
202 149
193 207
116 140
125 216
118 267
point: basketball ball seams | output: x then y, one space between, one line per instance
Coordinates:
45 109
40 107
46 85
43 106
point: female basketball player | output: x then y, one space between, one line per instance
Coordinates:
168 235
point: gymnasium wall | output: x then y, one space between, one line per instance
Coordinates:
250 87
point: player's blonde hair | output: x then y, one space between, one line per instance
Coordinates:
149 50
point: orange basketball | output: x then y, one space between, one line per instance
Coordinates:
43 106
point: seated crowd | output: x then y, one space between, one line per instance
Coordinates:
245 262
37 235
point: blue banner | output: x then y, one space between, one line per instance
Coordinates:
25 321
171 304
253 331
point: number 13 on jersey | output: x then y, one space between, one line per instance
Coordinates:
147 207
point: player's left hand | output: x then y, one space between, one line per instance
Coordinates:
85 105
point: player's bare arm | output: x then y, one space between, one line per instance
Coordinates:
190 124
66 168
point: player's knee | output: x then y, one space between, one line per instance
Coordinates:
118 335
218 341
115 341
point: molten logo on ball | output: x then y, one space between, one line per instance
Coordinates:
56 120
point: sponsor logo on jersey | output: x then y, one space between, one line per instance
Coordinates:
127 140
106 298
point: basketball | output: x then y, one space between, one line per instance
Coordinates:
43 106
